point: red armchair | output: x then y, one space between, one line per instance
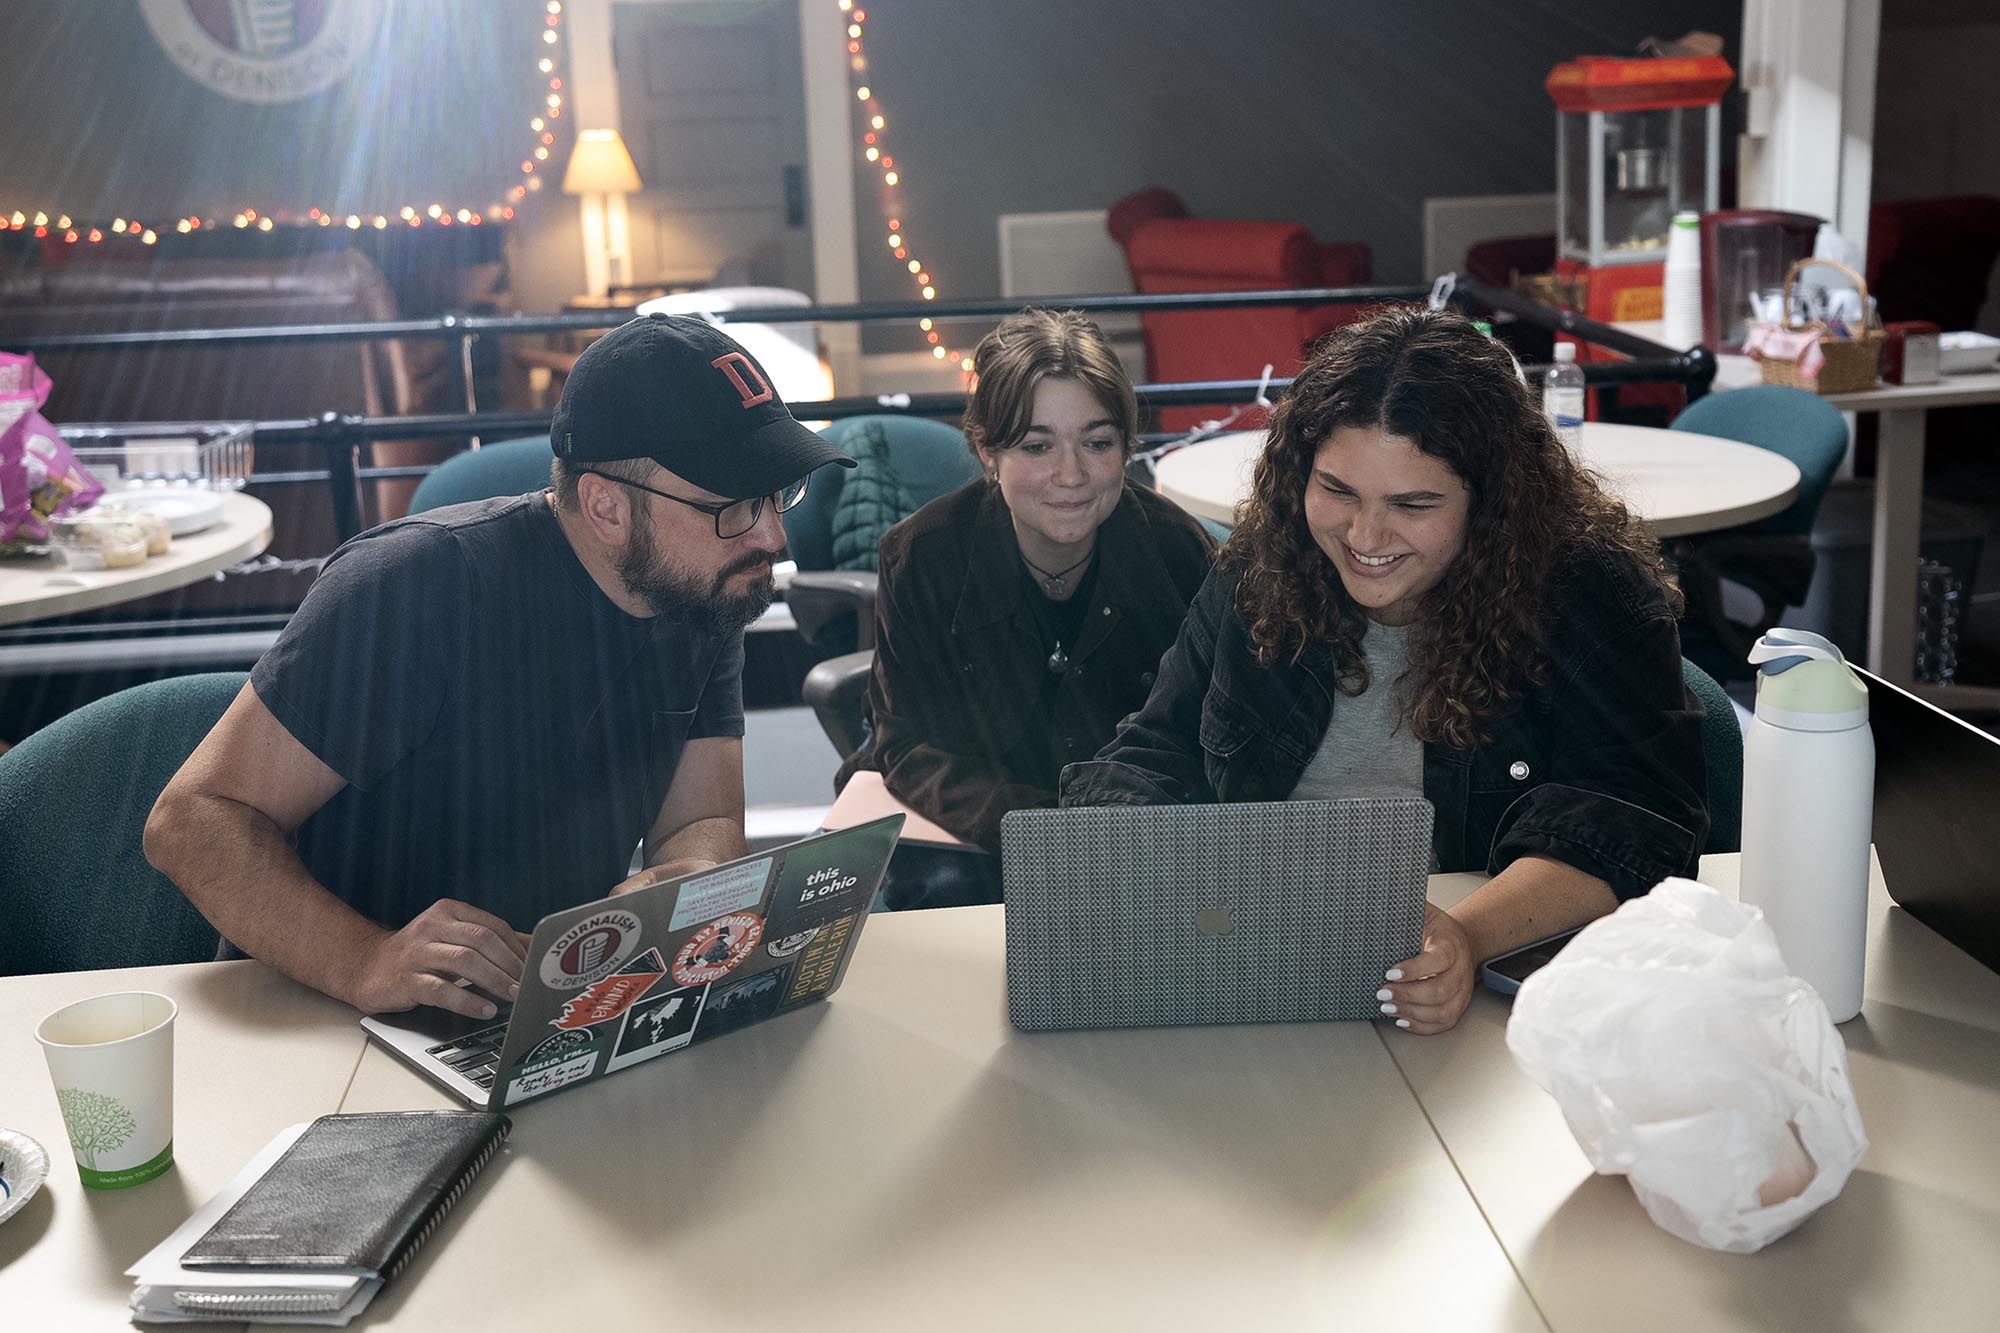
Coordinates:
1168 251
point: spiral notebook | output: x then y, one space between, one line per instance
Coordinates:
319 1220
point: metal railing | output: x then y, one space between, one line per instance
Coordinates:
339 436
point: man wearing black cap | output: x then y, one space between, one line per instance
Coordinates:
480 710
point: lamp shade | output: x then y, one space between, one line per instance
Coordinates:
600 165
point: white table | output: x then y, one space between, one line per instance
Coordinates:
1675 482
901 1158
31 589
1899 509
1909 1244
253 1052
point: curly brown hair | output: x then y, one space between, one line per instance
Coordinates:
1438 381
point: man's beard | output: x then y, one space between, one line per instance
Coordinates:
680 598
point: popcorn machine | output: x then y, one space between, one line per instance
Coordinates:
1637 140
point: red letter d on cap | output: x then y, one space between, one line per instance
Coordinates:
736 366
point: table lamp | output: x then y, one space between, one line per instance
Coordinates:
601 171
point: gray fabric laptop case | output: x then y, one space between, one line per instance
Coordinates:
1131 916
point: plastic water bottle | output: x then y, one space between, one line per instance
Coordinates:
1808 807
1562 397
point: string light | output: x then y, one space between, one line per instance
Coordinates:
874 151
550 108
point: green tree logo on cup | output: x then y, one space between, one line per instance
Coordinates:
96 1123
111 1061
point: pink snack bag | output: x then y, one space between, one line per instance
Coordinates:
14 506
20 376
39 475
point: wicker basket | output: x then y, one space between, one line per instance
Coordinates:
1851 363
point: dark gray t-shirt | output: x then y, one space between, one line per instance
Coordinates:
507 733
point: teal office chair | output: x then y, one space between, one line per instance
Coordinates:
903 463
76 888
505 467
1772 558
1722 752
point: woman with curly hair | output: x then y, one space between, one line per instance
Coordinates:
1427 595
1021 616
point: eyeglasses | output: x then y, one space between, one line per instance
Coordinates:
732 519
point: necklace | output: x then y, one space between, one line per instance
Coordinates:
1057 584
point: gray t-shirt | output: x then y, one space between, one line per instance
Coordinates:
1367 749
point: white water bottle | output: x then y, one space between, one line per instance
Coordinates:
1562 397
1808 807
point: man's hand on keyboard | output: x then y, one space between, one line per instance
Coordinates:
450 948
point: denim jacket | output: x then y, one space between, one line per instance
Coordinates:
1600 767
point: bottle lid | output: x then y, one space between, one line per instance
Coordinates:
1804 684
1565 353
1691 221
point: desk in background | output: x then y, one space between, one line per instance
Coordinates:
867 797
1675 482
901 1158
1899 510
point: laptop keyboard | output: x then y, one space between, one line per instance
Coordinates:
472 1056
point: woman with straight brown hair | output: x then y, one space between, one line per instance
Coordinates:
1022 615
1427 595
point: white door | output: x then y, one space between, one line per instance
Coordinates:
712 101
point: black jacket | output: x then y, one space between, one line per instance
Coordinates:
1601 767
959 730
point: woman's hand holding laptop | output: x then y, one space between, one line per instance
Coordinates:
1427 993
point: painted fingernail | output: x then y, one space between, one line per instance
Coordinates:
1402 1022
1385 994
1393 974
1388 1008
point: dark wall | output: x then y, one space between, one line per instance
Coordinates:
99 122
1933 107
1343 114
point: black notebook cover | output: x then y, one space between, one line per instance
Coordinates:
356 1194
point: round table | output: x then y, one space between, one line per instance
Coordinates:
32 588
1674 481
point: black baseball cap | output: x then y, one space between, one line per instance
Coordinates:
678 390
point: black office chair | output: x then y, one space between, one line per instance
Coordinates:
903 463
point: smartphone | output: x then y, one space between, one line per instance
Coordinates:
1506 972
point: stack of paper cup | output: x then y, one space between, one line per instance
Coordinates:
1682 313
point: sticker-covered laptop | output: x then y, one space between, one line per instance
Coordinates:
618 982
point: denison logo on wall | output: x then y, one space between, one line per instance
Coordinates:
263 50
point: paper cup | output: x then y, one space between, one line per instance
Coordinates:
112 1060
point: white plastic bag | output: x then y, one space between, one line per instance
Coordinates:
1687 1059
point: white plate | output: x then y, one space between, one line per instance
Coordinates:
23 1168
186 509
1963 353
